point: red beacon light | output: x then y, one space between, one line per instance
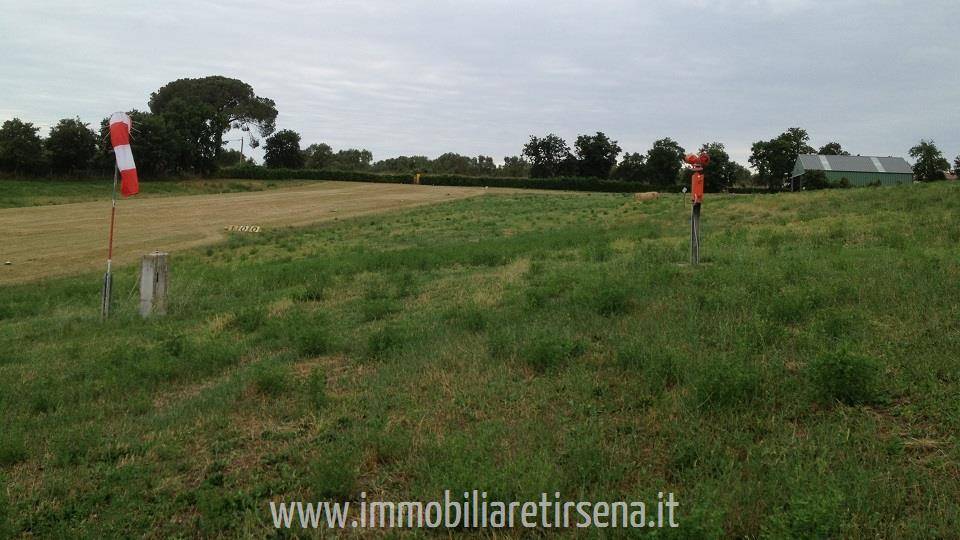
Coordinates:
698 162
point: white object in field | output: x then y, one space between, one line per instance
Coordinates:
8 263
684 190
154 275
242 228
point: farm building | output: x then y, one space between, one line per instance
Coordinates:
858 170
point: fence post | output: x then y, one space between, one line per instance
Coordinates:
154 274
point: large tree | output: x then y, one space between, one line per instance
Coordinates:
597 154
514 166
351 159
549 156
202 110
632 168
318 156
403 164
664 161
71 146
930 163
832 149
775 159
21 149
282 150
452 163
956 166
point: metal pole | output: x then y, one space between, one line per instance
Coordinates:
695 234
108 277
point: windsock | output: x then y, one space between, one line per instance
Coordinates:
120 139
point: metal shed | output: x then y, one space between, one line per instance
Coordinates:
858 170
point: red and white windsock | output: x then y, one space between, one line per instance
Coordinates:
120 124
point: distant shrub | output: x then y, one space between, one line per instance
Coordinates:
819 180
845 377
814 180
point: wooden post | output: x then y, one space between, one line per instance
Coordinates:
154 275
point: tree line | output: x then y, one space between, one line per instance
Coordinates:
183 133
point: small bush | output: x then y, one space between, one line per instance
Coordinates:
271 378
385 342
845 377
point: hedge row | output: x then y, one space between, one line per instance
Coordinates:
564 183
748 190
263 173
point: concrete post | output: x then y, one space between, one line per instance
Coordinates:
154 275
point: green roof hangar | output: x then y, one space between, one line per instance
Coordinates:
857 170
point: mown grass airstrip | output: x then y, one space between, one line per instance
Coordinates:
801 382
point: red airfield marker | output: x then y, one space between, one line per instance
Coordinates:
696 195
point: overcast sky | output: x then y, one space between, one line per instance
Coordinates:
478 77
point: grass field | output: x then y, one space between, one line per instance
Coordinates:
801 383
19 193
63 239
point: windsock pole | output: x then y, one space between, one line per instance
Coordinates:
695 234
108 277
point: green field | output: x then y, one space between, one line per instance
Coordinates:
802 382
19 193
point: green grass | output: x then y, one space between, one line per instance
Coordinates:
802 382
19 193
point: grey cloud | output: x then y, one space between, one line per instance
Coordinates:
479 77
